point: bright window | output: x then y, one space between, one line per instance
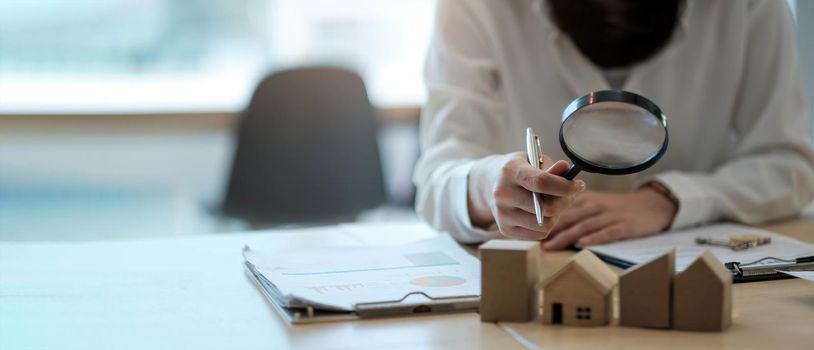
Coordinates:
108 56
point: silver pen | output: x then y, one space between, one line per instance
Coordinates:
535 159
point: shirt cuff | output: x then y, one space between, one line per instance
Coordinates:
466 233
695 204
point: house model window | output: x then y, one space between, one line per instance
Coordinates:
583 313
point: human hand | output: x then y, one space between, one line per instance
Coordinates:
500 190
598 217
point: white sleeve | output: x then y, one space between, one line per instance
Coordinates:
770 174
459 122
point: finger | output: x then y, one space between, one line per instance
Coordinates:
536 180
607 234
511 216
582 197
578 211
558 168
582 228
548 225
576 214
523 233
561 167
547 162
555 206
511 195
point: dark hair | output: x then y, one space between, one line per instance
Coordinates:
617 33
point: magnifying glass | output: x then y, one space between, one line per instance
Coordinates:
612 132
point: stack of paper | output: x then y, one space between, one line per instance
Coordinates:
342 278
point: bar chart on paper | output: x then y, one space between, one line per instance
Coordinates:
340 279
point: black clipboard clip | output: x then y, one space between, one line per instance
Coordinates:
768 268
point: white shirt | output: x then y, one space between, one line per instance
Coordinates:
728 81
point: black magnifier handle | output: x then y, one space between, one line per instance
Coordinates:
572 171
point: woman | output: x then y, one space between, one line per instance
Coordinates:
724 72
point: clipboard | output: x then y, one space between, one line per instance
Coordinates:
758 263
765 269
415 303
768 268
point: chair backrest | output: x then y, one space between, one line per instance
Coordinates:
307 150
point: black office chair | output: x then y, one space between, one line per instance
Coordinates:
307 151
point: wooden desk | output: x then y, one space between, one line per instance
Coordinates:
192 293
766 315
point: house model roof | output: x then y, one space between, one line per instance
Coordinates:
590 266
708 261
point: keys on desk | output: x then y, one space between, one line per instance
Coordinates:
736 242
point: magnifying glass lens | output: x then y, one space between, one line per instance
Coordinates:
614 135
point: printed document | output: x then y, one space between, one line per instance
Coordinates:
340 278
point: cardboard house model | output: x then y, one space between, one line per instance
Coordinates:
509 278
702 296
645 293
579 294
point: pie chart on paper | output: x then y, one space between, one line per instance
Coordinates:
438 281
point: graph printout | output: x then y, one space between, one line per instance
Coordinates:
339 278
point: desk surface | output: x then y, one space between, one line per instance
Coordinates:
766 315
191 292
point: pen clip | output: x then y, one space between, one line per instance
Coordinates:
530 148
535 152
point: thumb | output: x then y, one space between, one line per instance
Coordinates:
558 168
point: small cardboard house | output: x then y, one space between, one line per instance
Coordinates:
580 293
702 296
645 293
509 278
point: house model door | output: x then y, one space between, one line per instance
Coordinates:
556 313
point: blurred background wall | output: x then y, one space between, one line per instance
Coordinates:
804 15
117 117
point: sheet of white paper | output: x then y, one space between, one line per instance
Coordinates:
644 249
388 233
340 278
806 275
